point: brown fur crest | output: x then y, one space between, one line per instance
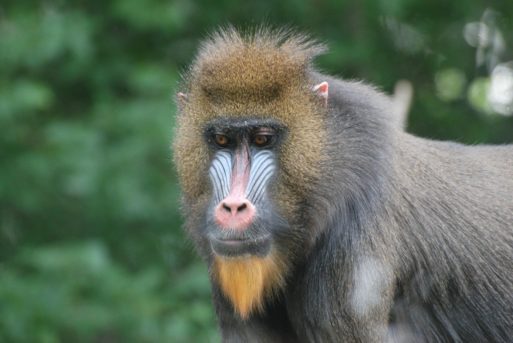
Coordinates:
259 65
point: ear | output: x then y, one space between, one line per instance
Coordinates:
181 99
322 90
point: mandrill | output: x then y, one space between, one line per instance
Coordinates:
321 220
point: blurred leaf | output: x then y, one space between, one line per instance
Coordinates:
477 95
21 98
450 84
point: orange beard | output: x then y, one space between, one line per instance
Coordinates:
248 281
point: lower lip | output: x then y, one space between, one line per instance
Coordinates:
240 248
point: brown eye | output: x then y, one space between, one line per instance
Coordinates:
261 140
221 140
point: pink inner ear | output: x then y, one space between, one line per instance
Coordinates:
322 89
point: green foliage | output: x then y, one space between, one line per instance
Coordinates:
91 246
75 292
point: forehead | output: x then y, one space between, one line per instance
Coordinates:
243 123
292 105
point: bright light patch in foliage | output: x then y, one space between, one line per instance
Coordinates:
500 93
450 84
477 94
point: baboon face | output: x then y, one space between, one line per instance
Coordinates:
248 146
248 142
242 218
245 170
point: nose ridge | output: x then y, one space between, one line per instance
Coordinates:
234 212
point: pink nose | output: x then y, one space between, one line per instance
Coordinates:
234 212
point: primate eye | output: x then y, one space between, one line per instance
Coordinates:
262 140
221 140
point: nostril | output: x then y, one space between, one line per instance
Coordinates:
234 208
234 213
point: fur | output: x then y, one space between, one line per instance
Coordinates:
424 228
248 281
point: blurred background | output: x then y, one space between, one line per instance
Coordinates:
91 246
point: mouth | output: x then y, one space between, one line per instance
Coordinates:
241 247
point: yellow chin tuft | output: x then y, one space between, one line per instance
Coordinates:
247 282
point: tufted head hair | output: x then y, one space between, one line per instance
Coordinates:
259 67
